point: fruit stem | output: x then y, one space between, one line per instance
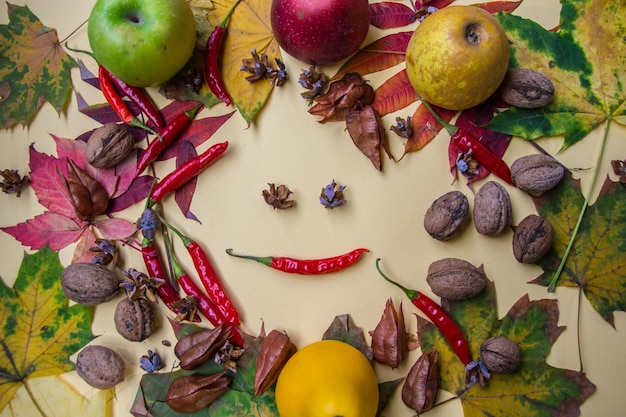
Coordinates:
452 129
594 177
412 294
230 12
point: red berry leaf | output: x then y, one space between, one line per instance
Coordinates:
425 127
136 192
379 55
394 94
387 15
115 229
496 6
184 195
46 174
51 229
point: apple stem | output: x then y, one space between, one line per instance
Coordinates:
452 129
82 51
230 12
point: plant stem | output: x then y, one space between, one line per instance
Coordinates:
580 355
594 177
33 397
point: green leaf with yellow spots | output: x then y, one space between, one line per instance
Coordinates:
34 68
534 388
585 59
248 29
597 263
39 331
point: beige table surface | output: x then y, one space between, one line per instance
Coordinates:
384 213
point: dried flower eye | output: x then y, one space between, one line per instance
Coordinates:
260 68
277 197
186 308
150 362
104 250
138 285
332 195
403 127
148 223
315 82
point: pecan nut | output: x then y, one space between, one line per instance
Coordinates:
492 209
134 319
109 145
88 283
536 173
532 239
526 88
500 354
100 366
447 215
455 279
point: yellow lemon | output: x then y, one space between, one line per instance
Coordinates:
327 379
457 57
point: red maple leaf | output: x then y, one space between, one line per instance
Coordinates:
59 226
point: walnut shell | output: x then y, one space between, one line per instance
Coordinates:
100 366
536 173
500 354
526 88
446 216
455 279
89 283
134 319
532 239
492 209
109 145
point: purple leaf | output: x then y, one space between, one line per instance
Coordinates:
386 15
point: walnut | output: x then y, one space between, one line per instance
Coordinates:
500 354
455 279
100 366
447 215
492 209
536 173
526 88
109 145
134 319
532 239
89 283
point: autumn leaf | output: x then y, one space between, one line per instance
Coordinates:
390 14
535 388
586 60
248 29
40 331
33 68
600 238
59 226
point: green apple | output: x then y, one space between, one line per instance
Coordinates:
457 57
142 42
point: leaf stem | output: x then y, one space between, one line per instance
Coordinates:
594 177
33 397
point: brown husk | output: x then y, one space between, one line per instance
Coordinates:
420 388
389 338
88 196
197 348
344 95
275 350
191 393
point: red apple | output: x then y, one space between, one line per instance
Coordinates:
320 31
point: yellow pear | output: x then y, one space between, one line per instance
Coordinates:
457 57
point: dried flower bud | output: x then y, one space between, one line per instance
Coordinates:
197 348
12 182
389 338
420 388
275 350
88 197
191 393
332 196
315 82
277 197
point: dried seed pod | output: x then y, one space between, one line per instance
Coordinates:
191 393
87 196
275 350
100 366
198 347
447 215
421 386
500 354
89 284
134 319
526 88
389 339
536 173
109 145
532 239
492 209
455 279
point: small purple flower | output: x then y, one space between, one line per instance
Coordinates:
148 223
332 196
150 362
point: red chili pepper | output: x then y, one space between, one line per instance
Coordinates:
168 135
155 269
205 304
138 96
466 142
115 101
211 58
187 171
308 266
439 317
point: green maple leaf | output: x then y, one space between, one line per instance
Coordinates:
34 68
39 331
586 60
597 263
535 388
